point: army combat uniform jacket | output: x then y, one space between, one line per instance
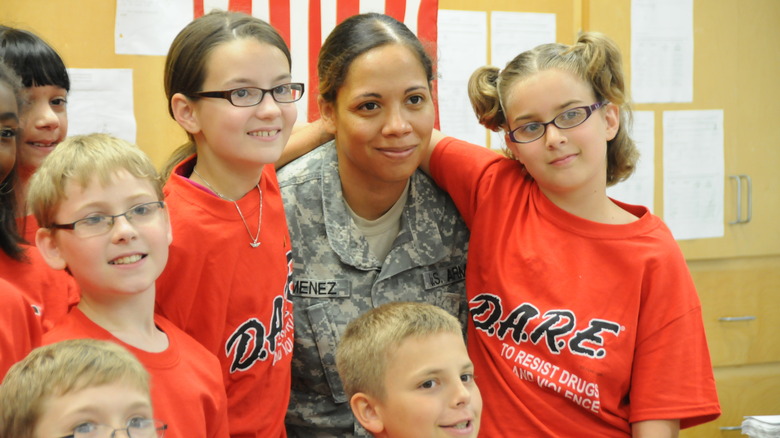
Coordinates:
336 278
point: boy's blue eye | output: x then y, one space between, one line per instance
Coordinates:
93 220
85 428
141 210
8 133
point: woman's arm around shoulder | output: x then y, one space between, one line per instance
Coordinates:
305 138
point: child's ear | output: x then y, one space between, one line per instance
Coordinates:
183 110
327 114
47 246
365 409
613 120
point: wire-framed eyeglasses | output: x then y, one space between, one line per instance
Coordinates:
136 428
568 119
97 224
251 96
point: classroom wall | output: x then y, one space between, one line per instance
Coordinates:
82 32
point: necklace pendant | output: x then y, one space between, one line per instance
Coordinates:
254 244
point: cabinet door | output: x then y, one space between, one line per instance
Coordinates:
736 70
743 391
739 300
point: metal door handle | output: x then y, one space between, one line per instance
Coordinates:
749 185
736 318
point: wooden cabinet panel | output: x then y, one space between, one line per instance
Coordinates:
740 299
748 390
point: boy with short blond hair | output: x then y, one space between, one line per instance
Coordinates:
98 200
407 373
36 386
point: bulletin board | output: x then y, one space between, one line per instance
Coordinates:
82 32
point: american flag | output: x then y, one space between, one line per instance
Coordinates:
305 24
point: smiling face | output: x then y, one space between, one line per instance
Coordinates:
563 161
113 405
125 260
430 390
9 127
44 124
382 115
231 137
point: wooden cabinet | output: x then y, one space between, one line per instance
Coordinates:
740 300
743 390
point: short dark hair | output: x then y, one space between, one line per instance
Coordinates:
35 61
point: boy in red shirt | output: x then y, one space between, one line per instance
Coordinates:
99 202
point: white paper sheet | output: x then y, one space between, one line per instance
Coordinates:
662 51
694 173
639 189
462 44
101 100
512 33
147 27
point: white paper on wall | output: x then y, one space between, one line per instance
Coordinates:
101 100
694 173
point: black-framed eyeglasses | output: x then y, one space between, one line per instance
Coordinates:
251 96
101 223
136 428
566 120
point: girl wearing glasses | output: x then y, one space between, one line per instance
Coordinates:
368 227
227 79
584 315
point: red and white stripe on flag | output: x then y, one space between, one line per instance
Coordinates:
305 24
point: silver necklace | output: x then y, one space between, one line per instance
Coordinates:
255 239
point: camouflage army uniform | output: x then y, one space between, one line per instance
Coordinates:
337 278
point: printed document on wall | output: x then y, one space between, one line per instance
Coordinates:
662 51
694 173
101 100
462 49
512 33
147 27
